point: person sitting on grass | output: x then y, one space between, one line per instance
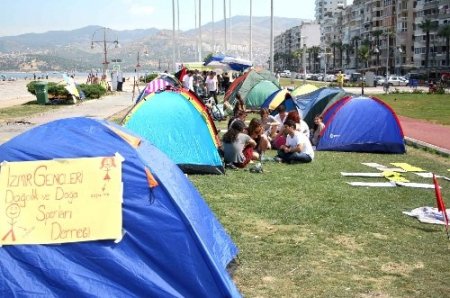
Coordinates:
256 132
297 149
279 138
237 146
239 104
269 123
240 115
319 126
301 125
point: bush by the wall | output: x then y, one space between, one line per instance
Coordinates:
59 91
93 91
149 77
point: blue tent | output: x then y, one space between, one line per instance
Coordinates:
173 245
233 63
361 124
277 98
178 124
314 103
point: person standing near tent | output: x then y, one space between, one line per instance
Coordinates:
340 79
226 81
298 148
212 85
188 81
237 146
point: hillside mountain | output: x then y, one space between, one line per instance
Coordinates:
71 50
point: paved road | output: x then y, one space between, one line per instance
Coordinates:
99 109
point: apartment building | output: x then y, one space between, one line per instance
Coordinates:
437 11
391 31
325 7
288 46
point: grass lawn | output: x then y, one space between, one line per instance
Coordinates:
303 232
27 109
432 107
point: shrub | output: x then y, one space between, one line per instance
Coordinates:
54 90
92 91
59 91
149 77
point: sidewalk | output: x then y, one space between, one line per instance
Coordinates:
98 108
417 132
425 134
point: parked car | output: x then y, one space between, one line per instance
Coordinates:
330 78
394 81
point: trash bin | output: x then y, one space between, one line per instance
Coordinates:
41 92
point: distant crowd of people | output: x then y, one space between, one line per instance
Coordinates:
207 83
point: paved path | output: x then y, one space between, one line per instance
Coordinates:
99 109
415 130
428 133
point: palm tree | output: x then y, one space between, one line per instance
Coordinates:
427 26
297 55
340 47
334 45
377 34
364 55
310 60
355 40
444 31
347 47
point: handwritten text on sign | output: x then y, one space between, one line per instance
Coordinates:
58 201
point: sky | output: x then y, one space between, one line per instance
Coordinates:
37 16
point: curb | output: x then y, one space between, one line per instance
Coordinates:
429 147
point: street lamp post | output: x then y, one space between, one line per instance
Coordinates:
387 62
376 50
104 42
303 43
324 55
400 58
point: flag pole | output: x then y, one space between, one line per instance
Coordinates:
440 203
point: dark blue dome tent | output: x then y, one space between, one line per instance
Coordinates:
173 245
315 102
361 124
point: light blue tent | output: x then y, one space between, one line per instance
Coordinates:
178 124
173 246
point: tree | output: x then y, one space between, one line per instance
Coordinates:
355 40
427 26
444 31
364 55
334 45
340 47
347 48
298 55
377 34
